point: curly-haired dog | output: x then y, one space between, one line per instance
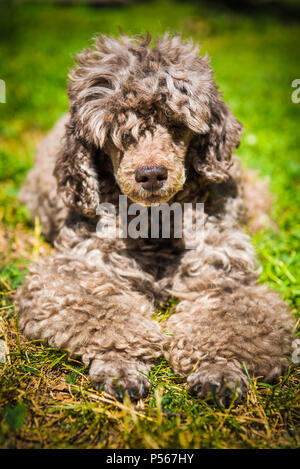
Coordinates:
149 123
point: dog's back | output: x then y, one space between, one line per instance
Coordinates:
39 192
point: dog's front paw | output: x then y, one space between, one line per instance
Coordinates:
119 377
221 382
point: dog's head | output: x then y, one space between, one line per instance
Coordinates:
155 113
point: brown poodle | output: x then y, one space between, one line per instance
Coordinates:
149 123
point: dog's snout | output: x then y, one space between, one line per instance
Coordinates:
151 178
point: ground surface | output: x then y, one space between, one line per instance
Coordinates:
46 400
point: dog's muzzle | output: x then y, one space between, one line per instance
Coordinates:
151 178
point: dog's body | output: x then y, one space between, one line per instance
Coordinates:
149 124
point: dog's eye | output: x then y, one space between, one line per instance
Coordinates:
183 90
178 130
127 139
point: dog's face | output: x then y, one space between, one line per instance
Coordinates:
152 170
148 110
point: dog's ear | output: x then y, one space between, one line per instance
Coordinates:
192 96
76 175
211 152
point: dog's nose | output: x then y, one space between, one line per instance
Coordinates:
151 178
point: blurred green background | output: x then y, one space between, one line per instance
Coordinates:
254 50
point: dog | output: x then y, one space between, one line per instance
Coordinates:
149 123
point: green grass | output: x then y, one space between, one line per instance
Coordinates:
46 399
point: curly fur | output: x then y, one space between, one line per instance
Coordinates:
130 106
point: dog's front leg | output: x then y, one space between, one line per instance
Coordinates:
94 315
225 320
